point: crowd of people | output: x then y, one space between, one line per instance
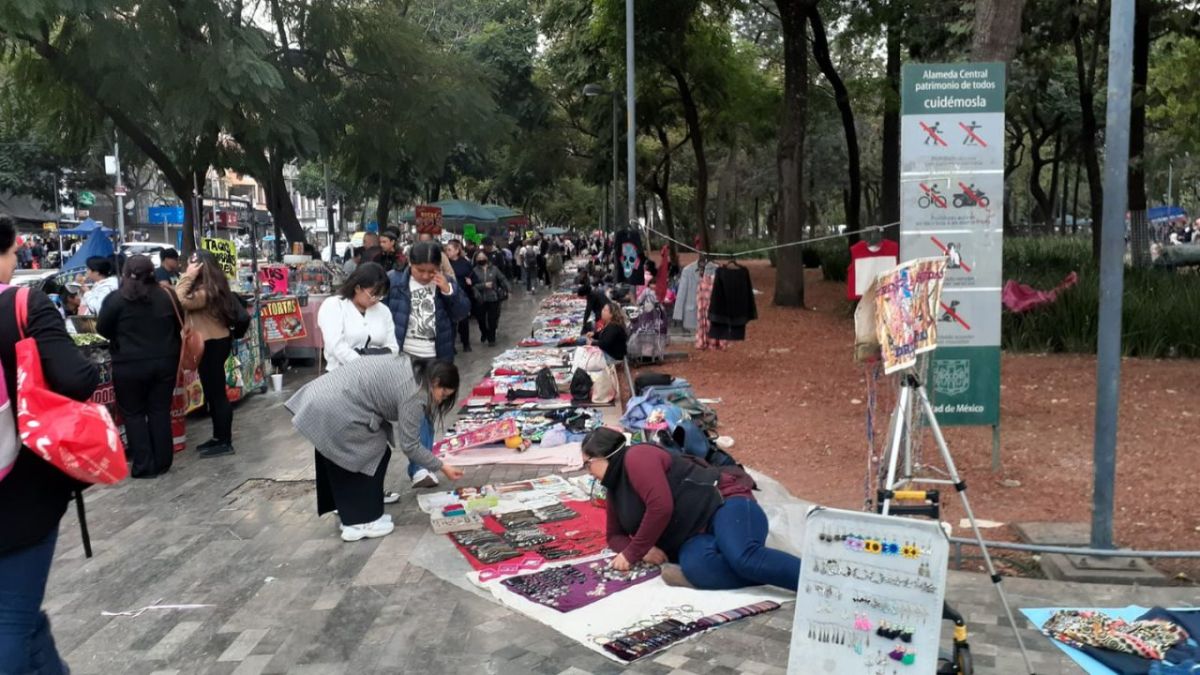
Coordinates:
391 334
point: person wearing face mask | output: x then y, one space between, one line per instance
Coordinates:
461 268
353 413
355 321
490 287
100 276
663 507
426 306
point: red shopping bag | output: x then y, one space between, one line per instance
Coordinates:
77 437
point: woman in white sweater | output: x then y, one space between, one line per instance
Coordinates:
354 322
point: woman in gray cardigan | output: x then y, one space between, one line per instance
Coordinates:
352 414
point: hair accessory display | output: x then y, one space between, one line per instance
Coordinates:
569 587
643 640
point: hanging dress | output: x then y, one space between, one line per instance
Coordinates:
703 298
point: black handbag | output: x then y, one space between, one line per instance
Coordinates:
546 386
368 350
581 386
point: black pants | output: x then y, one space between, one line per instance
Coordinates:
212 380
357 497
464 332
488 317
144 390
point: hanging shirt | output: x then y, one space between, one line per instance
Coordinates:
422 328
732 304
685 297
868 262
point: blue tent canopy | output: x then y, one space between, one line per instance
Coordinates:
86 228
96 245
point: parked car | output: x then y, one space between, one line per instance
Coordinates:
149 248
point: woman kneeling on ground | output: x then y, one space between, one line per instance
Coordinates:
348 414
663 507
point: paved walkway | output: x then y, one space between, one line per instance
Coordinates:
240 533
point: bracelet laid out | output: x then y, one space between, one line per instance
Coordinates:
644 641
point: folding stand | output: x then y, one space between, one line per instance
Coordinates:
901 443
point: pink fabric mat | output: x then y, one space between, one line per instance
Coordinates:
567 456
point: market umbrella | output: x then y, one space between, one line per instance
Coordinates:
97 245
457 210
85 228
554 231
501 212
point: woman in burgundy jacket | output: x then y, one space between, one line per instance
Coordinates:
665 507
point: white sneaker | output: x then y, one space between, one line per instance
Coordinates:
377 528
423 479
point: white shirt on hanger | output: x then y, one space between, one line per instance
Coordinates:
344 329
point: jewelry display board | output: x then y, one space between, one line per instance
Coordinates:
870 594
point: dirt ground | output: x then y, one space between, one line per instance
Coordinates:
795 402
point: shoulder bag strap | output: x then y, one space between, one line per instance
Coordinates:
21 305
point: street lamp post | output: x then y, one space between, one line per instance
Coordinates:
597 90
630 119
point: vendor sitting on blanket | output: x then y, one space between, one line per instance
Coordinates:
612 334
674 507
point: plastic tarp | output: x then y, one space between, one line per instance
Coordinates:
86 228
96 245
1019 298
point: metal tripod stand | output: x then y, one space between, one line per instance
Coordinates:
912 392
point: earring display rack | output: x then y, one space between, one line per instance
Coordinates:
870 594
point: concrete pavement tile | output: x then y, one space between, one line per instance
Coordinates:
243 645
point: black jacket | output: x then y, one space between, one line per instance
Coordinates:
732 305
612 340
34 495
694 490
140 331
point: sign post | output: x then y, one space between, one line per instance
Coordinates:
952 206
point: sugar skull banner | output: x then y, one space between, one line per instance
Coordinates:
906 311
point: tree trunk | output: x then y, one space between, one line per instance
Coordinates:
1075 202
853 197
997 31
1139 228
1055 162
383 209
725 188
691 116
889 190
1089 128
789 272
279 202
663 190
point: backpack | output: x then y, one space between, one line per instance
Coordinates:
530 256
581 386
241 319
644 380
554 263
546 386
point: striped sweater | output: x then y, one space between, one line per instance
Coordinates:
351 414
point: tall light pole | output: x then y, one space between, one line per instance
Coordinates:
598 90
1112 270
630 119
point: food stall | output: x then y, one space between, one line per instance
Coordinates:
292 296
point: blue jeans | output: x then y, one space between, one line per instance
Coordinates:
26 645
734 554
426 442
530 277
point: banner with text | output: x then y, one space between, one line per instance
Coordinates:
951 206
429 219
282 321
225 252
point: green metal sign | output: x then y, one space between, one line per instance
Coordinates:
936 88
86 199
952 206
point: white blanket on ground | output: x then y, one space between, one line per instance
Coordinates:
567 456
624 610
